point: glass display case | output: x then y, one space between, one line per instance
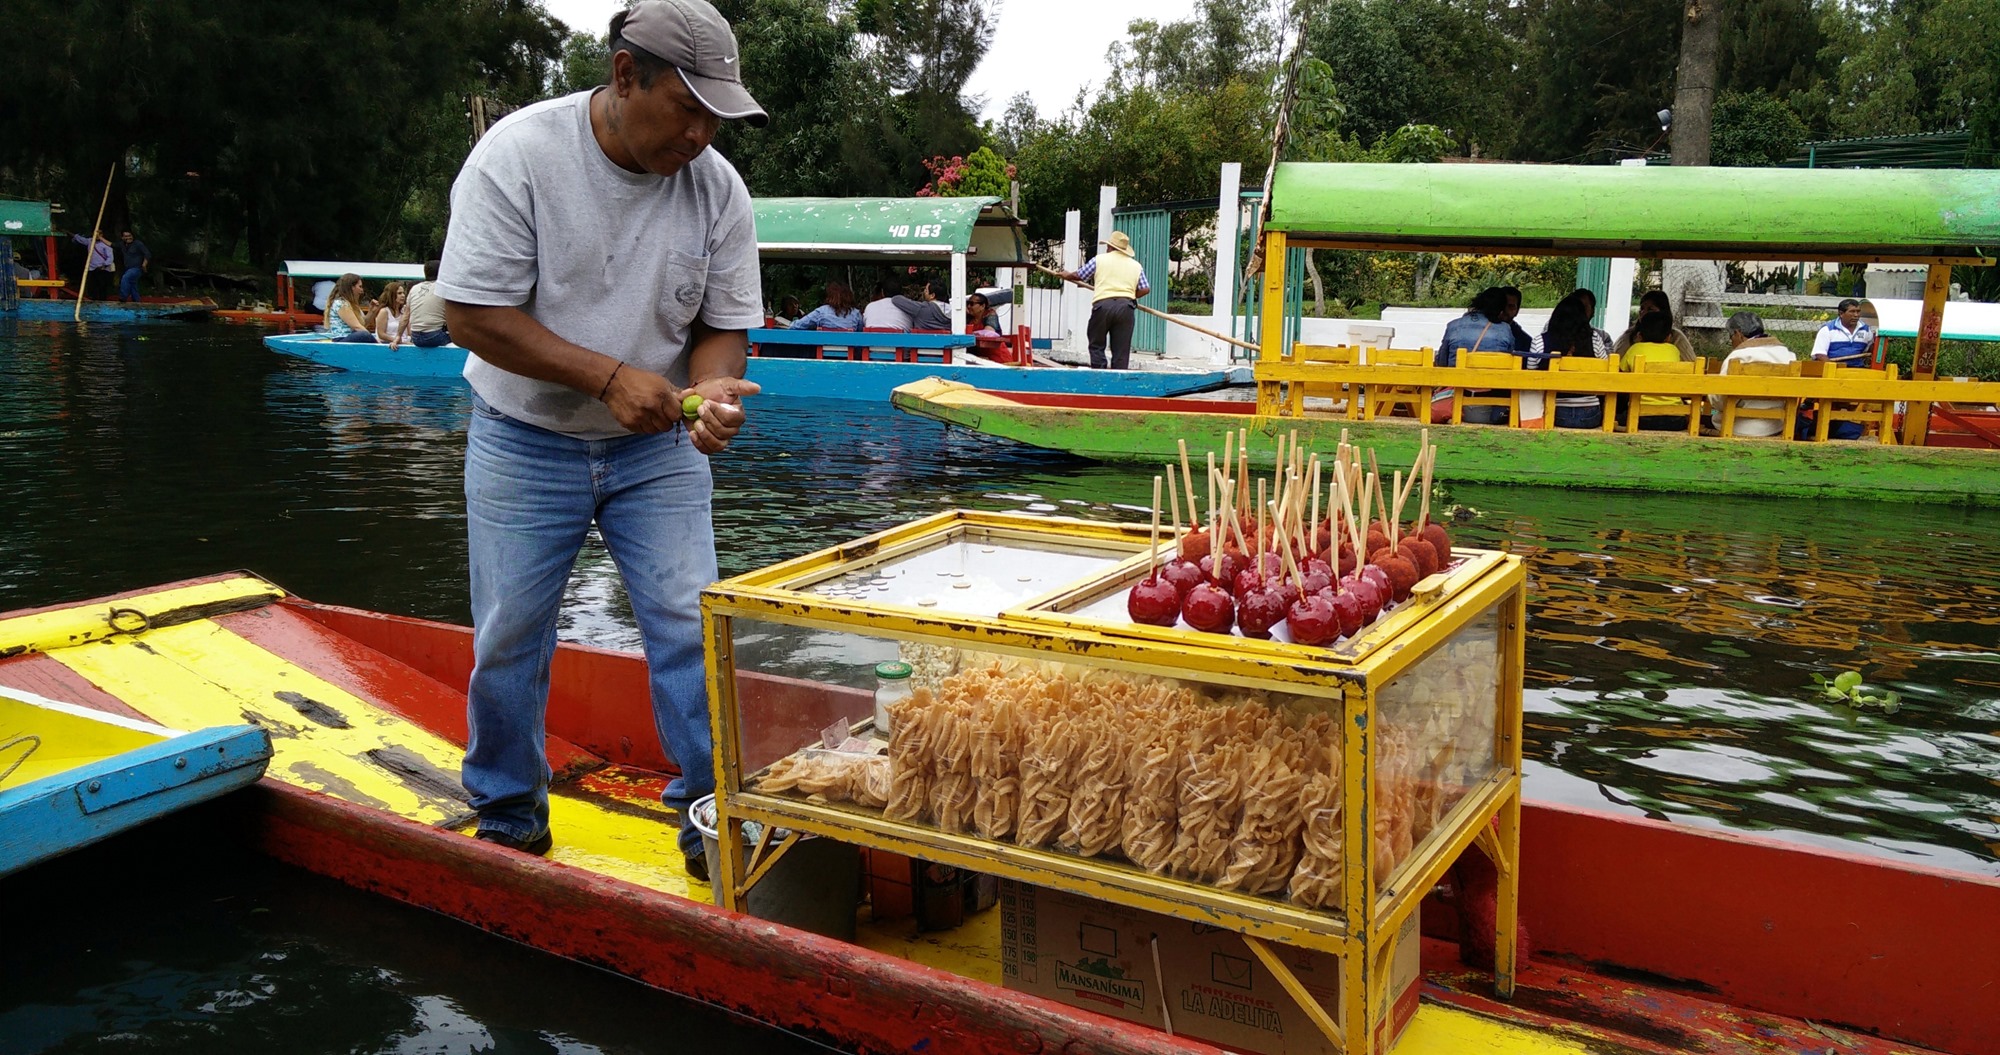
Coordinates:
1308 795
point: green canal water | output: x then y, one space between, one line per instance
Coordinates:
1673 645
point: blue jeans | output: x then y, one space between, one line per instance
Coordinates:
1580 417
356 337
431 338
128 284
530 498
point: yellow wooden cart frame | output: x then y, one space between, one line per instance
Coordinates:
1488 815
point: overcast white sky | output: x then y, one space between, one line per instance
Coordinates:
1047 48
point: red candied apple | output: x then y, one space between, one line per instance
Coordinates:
1318 576
1347 608
1420 553
1154 601
1347 561
1246 582
1378 580
1183 574
1312 622
1194 544
1441 542
1232 562
1258 612
1286 589
1208 607
1402 574
1377 538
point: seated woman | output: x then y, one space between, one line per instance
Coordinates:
1570 334
836 313
1655 346
392 318
344 321
1651 301
980 318
1483 328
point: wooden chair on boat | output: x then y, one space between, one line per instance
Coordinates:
1381 401
1786 414
1581 364
1336 355
1510 398
1878 413
1692 405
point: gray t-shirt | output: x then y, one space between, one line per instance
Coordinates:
618 262
426 308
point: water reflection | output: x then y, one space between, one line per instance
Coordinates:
1673 637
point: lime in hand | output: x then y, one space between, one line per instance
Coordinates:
691 404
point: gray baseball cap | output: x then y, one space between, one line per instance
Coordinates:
694 38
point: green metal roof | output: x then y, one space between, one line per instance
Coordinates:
20 219
1617 210
888 229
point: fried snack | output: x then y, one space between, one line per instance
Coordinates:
782 776
1316 882
872 787
1267 842
951 772
996 769
1045 776
1097 807
1395 802
1211 804
1154 769
910 751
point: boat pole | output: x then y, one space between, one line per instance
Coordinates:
1161 314
95 229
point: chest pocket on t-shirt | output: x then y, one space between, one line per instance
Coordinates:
684 281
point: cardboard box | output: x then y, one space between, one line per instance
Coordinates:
1208 984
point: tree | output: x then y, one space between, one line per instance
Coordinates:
982 175
1438 62
1694 82
1752 128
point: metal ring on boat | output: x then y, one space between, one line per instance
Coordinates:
145 621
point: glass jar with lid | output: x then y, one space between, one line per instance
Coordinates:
892 686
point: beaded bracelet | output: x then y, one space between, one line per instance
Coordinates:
606 390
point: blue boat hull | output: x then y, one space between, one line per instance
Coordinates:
29 310
72 809
814 378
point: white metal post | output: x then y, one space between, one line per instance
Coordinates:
1618 291
958 293
1107 200
1072 302
1227 216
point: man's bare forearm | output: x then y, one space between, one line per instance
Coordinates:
514 341
716 353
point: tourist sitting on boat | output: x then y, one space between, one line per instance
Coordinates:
882 312
1590 308
1521 338
392 317
1651 301
1570 333
981 318
1483 328
1749 343
1845 341
426 325
1655 345
344 321
788 309
921 305
837 312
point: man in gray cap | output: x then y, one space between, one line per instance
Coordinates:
601 266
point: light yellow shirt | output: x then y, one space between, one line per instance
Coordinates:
1652 352
1117 276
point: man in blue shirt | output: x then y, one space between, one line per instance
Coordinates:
138 260
1846 341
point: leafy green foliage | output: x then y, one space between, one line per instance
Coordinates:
1446 63
983 174
1752 128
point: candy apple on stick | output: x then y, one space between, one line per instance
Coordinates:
1153 599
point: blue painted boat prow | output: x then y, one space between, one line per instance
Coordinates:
29 309
809 378
73 806
403 361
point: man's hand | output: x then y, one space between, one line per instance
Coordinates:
721 413
642 400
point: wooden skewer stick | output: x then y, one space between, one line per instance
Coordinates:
1396 515
1211 499
1368 489
1424 516
1156 528
1262 538
1187 481
1315 499
1285 552
1161 314
1174 500
1381 502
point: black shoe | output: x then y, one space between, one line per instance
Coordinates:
696 865
537 846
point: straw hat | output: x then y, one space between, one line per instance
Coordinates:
1119 243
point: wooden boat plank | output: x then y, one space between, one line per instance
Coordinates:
199 674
